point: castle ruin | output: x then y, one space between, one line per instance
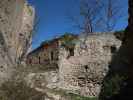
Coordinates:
79 70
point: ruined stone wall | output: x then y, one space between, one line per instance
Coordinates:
45 56
43 80
12 22
85 71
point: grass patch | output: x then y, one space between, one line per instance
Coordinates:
112 85
12 90
78 97
71 96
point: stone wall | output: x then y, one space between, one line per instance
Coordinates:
13 21
43 80
85 71
82 72
45 56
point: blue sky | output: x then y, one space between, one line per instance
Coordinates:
54 21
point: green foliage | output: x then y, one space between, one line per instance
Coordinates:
68 40
71 96
78 97
119 34
112 85
30 10
12 90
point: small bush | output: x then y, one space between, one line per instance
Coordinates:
78 97
112 85
12 90
72 96
68 40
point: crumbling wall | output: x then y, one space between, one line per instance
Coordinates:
85 71
45 57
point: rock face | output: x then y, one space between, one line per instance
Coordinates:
82 69
16 24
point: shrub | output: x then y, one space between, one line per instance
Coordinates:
78 97
68 40
68 95
112 85
12 90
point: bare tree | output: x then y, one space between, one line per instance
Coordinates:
98 15
90 11
28 40
113 14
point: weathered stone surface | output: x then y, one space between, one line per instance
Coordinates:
15 22
43 80
46 54
85 70
82 72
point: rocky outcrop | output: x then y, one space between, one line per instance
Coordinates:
16 24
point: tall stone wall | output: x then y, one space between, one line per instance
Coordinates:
14 18
85 71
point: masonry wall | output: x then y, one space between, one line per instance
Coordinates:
85 71
81 72
44 57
